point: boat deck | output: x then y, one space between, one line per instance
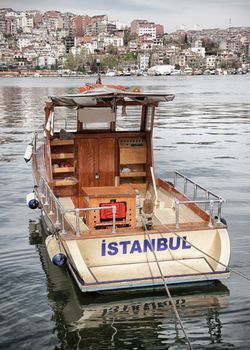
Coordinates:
162 215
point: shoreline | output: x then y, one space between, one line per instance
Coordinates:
52 74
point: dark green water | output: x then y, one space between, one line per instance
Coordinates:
205 134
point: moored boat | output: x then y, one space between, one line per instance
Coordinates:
112 222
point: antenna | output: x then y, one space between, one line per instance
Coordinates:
98 81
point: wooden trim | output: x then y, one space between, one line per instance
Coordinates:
120 102
58 142
133 174
64 182
63 170
107 134
62 155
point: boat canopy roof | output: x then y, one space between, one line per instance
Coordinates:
93 97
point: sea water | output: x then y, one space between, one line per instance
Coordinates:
205 134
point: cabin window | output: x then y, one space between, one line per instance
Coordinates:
95 118
128 118
65 118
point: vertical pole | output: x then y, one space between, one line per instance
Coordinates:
207 198
114 215
175 179
211 214
219 210
57 223
77 223
185 186
62 218
154 185
51 205
35 142
46 194
177 214
195 191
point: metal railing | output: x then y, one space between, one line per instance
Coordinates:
58 212
197 191
211 210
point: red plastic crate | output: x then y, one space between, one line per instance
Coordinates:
106 214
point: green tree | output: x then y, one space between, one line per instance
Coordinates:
111 49
110 61
211 46
166 60
223 64
70 61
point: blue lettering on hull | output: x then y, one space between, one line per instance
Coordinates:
135 247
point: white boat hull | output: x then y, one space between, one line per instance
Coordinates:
113 263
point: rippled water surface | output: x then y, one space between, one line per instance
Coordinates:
205 134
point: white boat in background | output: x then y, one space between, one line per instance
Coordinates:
175 72
187 71
111 73
112 222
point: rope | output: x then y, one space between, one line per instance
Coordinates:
216 260
167 290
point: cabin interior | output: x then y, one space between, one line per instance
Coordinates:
103 157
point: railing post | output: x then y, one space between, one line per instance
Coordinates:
175 179
195 191
114 215
42 188
62 217
185 186
46 195
57 223
211 214
35 142
207 198
177 214
77 222
219 210
51 209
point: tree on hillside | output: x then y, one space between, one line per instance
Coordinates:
211 46
110 61
70 61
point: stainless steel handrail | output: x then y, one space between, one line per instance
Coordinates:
195 184
211 210
78 210
210 198
48 198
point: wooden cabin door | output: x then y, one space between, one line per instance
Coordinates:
96 162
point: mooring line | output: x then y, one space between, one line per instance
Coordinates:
167 290
211 257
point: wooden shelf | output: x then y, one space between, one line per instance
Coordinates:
63 170
64 182
58 142
62 155
133 174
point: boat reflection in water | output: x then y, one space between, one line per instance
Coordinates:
130 321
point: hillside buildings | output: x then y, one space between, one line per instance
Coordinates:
32 39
